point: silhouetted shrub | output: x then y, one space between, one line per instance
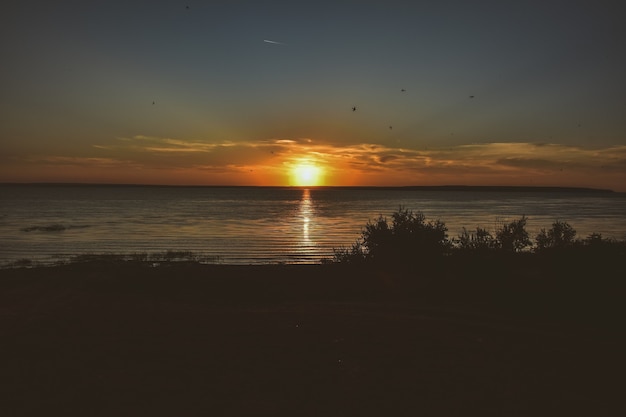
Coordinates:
596 239
481 241
354 254
408 237
598 247
513 237
559 236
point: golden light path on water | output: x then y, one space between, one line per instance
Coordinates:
306 212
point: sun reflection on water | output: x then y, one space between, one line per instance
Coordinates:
306 214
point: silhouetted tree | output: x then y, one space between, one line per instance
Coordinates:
408 237
596 239
355 254
559 236
513 237
482 240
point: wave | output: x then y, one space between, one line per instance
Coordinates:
52 228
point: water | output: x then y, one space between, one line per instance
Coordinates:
249 225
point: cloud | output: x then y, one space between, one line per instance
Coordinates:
559 157
266 161
367 156
383 159
157 144
79 161
528 163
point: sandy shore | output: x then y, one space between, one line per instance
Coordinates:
127 339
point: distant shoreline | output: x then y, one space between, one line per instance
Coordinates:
474 188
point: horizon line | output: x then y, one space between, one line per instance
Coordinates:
447 187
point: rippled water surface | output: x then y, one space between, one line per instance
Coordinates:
262 225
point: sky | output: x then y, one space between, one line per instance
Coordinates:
260 92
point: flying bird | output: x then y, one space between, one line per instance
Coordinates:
153 103
273 42
471 96
403 90
390 127
353 108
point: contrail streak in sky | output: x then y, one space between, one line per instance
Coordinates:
274 42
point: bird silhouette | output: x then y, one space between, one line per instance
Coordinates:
353 108
471 96
390 127
403 90
153 103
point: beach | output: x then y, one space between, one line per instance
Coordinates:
111 337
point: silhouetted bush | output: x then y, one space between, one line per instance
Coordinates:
598 247
596 240
408 237
513 237
480 241
561 235
355 254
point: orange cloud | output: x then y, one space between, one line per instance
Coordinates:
269 162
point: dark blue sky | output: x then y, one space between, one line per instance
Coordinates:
547 80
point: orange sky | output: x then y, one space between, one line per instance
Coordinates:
151 160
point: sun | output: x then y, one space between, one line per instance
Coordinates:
306 174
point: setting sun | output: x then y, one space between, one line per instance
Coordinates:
306 174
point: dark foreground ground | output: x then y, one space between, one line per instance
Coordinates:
106 338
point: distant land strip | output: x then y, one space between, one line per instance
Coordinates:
473 188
